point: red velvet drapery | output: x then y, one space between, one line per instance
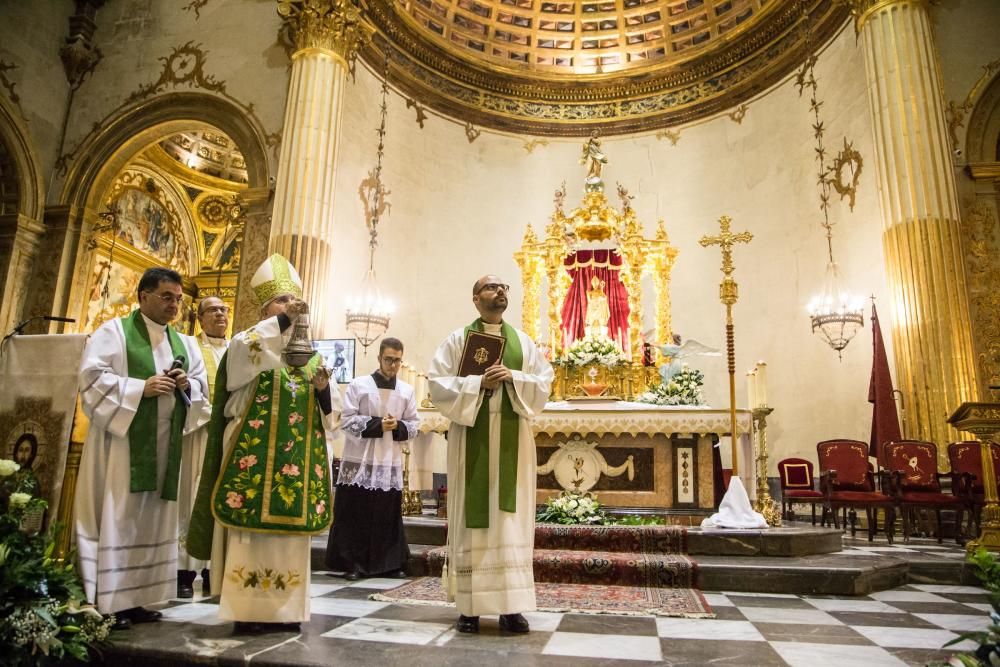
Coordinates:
582 266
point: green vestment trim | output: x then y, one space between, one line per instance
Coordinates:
202 525
477 443
142 431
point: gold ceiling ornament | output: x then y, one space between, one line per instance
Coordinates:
421 114
738 114
673 136
334 26
9 85
550 68
834 313
471 133
955 113
195 6
596 223
530 146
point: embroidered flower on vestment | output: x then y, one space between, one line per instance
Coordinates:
289 445
294 418
320 506
291 470
319 471
234 500
293 385
248 461
262 398
256 423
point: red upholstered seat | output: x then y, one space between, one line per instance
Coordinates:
967 477
797 485
916 483
848 481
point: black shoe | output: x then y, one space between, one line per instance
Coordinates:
399 574
185 583
206 582
121 623
513 623
141 615
468 624
353 575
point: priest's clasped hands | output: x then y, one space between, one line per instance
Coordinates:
388 423
158 385
496 375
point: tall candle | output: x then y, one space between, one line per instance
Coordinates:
761 372
751 390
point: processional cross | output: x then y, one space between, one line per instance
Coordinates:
729 294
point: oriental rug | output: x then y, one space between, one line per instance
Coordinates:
576 598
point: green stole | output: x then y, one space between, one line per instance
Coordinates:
202 525
142 431
477 443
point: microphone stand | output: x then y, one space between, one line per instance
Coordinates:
19 329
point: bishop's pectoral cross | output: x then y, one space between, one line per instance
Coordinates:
728 294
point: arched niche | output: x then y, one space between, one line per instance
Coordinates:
105 153
20 167
982 140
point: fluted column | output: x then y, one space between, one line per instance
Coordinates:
327 35
920 216
19 240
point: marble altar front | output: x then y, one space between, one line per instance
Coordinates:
632 455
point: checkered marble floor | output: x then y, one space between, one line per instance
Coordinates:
903 626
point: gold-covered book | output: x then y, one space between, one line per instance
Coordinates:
481 351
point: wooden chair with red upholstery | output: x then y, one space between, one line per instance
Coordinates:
916 484
796 477
846 481
967 477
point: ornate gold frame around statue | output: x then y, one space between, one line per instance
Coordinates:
596 220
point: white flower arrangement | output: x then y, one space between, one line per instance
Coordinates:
682 389
594 348
569 508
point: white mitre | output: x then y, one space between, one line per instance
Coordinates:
735 510
276 276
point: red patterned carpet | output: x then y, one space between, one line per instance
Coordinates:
586 599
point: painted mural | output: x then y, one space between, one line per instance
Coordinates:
146 225
112 292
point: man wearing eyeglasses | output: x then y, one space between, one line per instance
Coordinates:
213 317
380 415
142 385
491 465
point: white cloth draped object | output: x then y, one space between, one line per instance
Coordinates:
735 510
232 549
193 455
490 569
375 463
127 542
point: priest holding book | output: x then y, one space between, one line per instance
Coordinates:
490 389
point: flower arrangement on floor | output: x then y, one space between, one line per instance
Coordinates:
594 348
43 618
570 508
987 569
681 389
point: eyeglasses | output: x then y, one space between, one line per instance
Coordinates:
392 361
168 298
494 287
216 309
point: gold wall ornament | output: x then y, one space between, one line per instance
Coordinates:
850 158
729 294
738 114
79 52
9 85
421 114
673 136
530 146
955 113
195 6
333 26
471 133
982 263
487 79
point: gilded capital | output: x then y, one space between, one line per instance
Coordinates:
327 25
862 10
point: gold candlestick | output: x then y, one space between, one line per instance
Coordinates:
411 499
983 420
764 503
729 294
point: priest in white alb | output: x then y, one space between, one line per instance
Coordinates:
213 317
491 465
270 489
141 385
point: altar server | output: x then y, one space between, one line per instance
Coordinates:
268 447
491 465
141 384
213 317
380 415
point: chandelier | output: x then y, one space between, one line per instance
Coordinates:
368 313
835 314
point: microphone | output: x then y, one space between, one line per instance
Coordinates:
19 329
178 362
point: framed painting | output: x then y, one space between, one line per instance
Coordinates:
338 356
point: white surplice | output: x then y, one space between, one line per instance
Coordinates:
490 569
193 454
375 463
251 352
127 542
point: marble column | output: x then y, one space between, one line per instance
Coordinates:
327 35
19 239
921 235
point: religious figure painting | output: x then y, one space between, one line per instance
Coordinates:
111 293
338 357
145 224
